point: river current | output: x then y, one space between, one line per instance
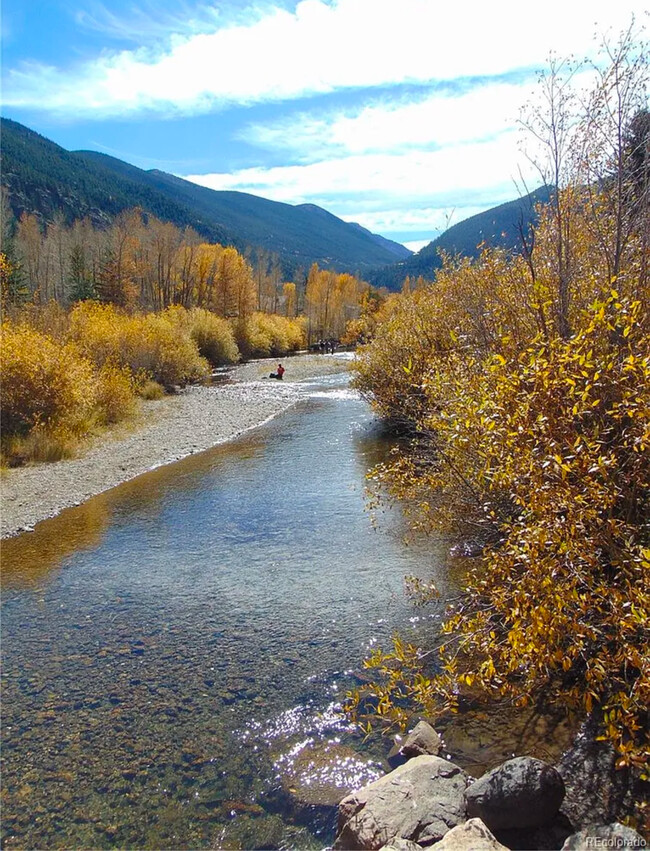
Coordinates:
175 650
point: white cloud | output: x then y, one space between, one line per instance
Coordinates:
319 47
416 174
148 22
417 244
434 121
411 191
430 220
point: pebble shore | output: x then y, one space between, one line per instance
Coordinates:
193 420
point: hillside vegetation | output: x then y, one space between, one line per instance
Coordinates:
45 180
499 227
95 317
524 382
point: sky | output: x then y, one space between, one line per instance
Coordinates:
401 115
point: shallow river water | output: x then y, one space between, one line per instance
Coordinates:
175 650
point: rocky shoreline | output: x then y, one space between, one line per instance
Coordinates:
191 421
428 801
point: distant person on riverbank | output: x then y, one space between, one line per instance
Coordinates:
279 373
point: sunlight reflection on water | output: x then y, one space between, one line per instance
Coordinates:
167 645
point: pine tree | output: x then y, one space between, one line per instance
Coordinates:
82 287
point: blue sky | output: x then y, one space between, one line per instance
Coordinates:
398 114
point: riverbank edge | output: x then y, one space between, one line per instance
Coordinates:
194 420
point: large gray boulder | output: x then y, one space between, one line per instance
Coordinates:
420 801
597 792
604 836
422 739
471 836
523 792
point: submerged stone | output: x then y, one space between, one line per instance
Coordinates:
320 774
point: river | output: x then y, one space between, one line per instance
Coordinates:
175 651
174 648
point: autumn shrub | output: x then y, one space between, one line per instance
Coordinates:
116 399
48 391
50 318
146 388
212 334
165 352
150 344
549 450
42 444
42 381
99 331
296 332
269 335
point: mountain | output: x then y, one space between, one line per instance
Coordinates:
399 250
499 226
43 178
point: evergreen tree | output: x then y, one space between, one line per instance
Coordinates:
82 286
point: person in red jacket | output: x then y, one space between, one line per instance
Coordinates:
279 373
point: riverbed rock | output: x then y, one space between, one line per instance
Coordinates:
264 833
422 739
420 801
521 793
604 836
597 792
402 845
471 836
547 837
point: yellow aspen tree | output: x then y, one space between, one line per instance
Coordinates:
289 297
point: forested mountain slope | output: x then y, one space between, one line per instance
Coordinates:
43 178
497 226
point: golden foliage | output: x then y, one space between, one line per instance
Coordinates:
49 395
544 452
43 382
115 394
331 301
212 334
155 345
265 335
524 381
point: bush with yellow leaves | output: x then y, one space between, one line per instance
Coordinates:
49 395
546 454
262 335
212 334
116 399
152 346
43 381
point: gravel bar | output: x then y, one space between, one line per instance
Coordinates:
193 420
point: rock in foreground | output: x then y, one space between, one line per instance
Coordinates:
420 801
402 845
471 836
422 739
523 792
605 836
